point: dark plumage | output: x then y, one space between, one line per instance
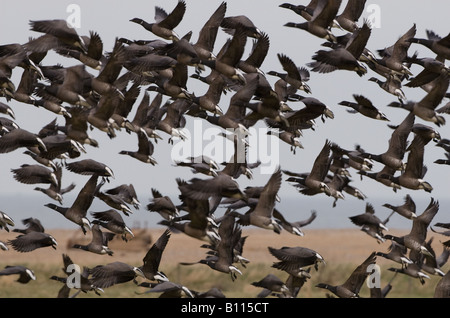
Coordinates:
84 284
407 209
321 20
127 192
104 276
393 156
261 215
33 240
76 213
351 287
152 259
19 138
312 183
145 149
25 274
365 107
271 284
98 243
113 221
295 260
33 174
32 225
165 24
415 239
90 167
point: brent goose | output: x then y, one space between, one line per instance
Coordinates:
393 156
199 224
426 107
312 183
162 205
295 283
231 23
56 192
322 19
113 200
270 284
152 259
412 270
368 218
260 49
415 239
295 260
352 286
261 215
294 76
294 227
85 285
305 11
127 192
208 33
391 85
396 253
349 17
429 264
98 243
34 174
165 23
432 68
33 240
442 289
32 225
394 57
104 276
93 56
223 258
76 213
227 62
210 100
145 149
435 43
407 209
198 167
25 274
60 29
167 289
18 138
365 107
90 167
344 57
412 176
112 221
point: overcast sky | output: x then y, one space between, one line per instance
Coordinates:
111 20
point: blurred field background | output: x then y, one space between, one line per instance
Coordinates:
343 250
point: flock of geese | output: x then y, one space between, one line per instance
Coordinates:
160 68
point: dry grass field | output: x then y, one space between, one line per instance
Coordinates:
343 250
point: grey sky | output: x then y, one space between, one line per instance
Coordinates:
111 19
